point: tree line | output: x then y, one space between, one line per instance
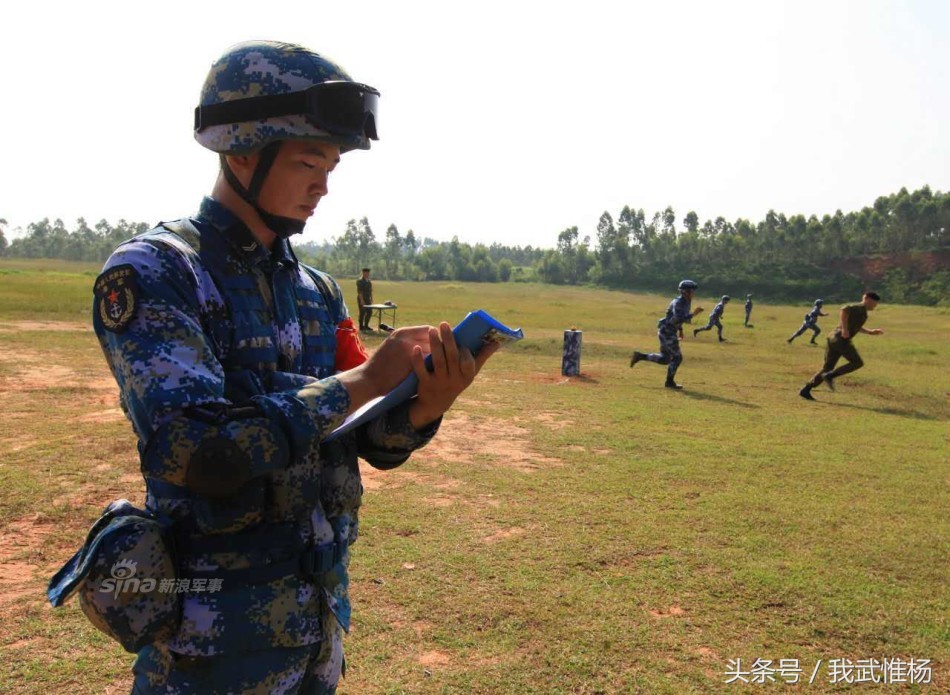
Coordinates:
788 257
781 257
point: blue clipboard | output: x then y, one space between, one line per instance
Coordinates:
476 330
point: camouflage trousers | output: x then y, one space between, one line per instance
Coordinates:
805 327
669 352
714 321
312 669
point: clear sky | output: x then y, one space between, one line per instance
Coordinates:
500 121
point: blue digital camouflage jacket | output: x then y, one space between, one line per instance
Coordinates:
223 354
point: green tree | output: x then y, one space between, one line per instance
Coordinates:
504 269
551 268
367 248
612 251
691 222
347 249
412 245
433 262
567 248
393 251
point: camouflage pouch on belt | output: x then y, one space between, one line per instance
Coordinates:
125 574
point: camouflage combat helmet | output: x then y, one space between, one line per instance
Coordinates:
687 285
260 93
725 298
819 302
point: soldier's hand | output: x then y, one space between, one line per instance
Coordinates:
876 331
453 370
698 310
389 364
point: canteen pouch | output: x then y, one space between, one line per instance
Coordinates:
126 577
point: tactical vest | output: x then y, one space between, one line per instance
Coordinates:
270 542
315 486
245 337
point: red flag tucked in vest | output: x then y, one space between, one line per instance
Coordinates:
350 351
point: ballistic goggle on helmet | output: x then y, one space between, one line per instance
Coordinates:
260 92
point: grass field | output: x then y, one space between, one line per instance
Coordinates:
598 534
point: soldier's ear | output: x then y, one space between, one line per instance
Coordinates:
242 165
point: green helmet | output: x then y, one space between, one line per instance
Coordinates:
259 92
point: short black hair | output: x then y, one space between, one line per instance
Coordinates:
873 295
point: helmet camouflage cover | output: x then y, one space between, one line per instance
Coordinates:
687 285
268 68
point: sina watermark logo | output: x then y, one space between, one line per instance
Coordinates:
123 580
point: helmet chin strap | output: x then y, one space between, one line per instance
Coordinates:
279 225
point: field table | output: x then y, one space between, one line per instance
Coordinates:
379 310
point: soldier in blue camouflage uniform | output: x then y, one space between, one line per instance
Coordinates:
223 348
748 309
670 331
811 321
715 317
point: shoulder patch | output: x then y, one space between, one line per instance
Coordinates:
117 294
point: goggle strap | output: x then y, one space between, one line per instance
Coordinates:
272 106
251 109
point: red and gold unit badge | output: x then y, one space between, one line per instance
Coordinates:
117 292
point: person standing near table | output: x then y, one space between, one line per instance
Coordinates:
364 297
851 321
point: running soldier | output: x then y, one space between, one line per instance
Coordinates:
811 321
851 322
670 331
714 318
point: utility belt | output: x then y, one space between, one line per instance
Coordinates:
129 571
287 555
